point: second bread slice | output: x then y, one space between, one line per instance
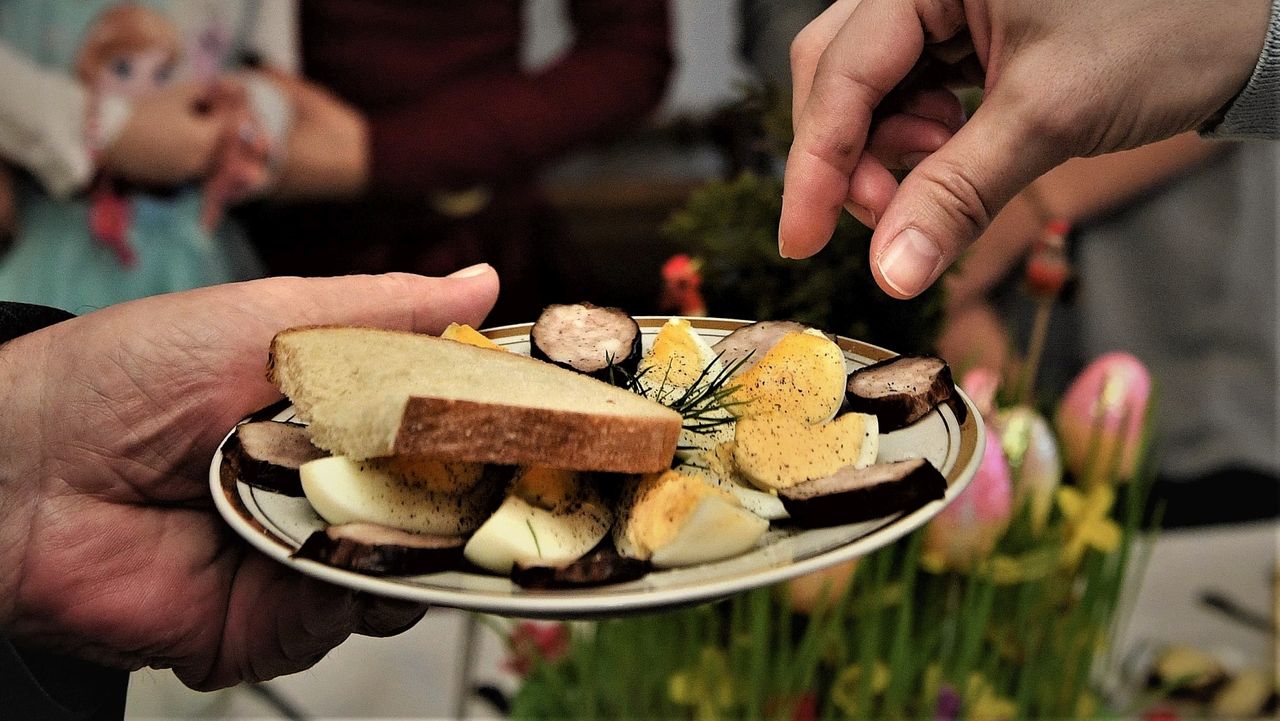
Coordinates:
370 393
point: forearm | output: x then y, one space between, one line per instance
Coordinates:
1079 190
1076 191
327 151
991 258
323 164
1087 187
497 127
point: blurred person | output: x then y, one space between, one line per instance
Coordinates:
1175 249
1060 80
768 28
135 127
458 132
112 557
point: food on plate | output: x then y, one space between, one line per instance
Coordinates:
464 333
672 519
447 455
861 494
549 517
682 371
343 490
369 393
679 358
436 475
750 342
902 390
382 551
602 566
777 451
717 468
267 454
598 341
801 376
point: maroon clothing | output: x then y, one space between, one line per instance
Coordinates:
449 108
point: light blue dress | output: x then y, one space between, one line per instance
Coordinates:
54 259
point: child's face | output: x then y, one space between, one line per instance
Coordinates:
134 74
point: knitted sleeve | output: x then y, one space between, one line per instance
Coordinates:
1255 113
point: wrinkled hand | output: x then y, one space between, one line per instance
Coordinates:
109 545
1060 80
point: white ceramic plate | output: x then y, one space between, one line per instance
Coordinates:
277 525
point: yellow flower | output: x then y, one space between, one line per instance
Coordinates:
1087 521
990 707
932 679
1006 570
933 561
707 686
1086 706
848 684
984 704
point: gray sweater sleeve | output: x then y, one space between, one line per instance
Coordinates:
1255 113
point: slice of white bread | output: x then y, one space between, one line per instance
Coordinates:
369 393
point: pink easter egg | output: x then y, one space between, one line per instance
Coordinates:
1102 416
967 530
981 384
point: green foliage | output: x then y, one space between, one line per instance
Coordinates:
1021 635
732 226
1005 648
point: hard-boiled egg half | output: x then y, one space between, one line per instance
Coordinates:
549 518
801 376
776 451
672 519
679 359
345 491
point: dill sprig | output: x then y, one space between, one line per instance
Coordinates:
706 405
536 543
624 378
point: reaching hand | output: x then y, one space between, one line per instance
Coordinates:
1060 79
109 545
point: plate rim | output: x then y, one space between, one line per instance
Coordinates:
582 603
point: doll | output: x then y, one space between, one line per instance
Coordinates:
130 51
122 240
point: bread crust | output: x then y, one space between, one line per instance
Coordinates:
449 430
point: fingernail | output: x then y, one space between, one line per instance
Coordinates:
910 262
471 271
911 160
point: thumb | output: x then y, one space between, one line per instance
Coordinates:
245 316
399 301
950 198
